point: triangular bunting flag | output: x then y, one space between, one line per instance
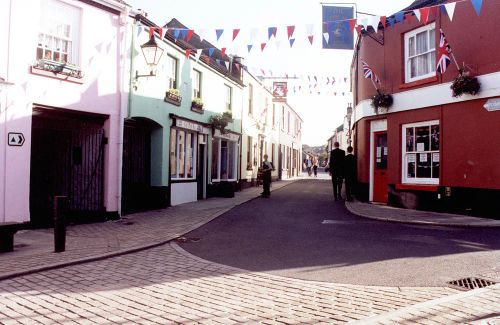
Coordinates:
253 33
417 14
211 51
424 15
408 17
262 46
235 33
310 29
391 21
202 33
188 52
190 33
219 32
383 20
151 32
310 37
223 52
477 5
450 9
226 64
184 33
160 32
290 30
198 54
326 36
177 32
399 16
139 30
249 47
271 31
292 40
358 29
352 23
374 21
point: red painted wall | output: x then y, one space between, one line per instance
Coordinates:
474 40
362 147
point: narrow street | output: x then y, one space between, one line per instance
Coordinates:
302 233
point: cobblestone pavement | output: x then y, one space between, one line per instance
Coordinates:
167 285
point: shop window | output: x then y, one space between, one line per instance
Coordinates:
224 163
182 154
421 157
420 53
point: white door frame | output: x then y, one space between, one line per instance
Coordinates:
375 126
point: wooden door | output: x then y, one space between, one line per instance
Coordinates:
380 193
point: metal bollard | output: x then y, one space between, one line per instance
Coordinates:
60 209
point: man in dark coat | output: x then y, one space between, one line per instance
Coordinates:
336 165
349 173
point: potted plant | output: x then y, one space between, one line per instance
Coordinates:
381 100
173 96
465 84
220 121
197 104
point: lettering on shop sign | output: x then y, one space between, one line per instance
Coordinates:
228 136
191 126
15 139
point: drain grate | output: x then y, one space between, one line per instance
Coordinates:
471 283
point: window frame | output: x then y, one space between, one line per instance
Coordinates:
250 99
194 149
404 164
229 98
406 40
197 86
174 84
219 160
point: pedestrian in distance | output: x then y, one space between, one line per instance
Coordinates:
267 168
315 167
309 166
350 173
336 167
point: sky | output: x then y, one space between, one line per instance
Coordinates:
320 103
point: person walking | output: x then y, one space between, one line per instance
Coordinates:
315 166
267 168
350 173
336 166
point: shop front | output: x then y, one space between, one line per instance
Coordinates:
224 163
188 160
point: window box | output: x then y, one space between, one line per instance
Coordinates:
172 96
57 69
197 105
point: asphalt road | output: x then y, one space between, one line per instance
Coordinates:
301 232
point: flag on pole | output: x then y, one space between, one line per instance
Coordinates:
443 54
368 72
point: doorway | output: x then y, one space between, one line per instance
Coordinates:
200 171
380 183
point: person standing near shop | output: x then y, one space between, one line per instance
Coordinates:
349 173
336 165
315 166
267 168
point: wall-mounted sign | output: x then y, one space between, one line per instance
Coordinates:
228 136
193 126
15 139
279 91
492 104
336 31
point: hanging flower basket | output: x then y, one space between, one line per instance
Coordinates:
381 101
465 84
173 96
220 121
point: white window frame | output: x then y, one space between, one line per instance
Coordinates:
404 165
219 158
172 80
229 98
413 34
194 137
55 16
197 77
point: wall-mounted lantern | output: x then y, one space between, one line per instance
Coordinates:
152 54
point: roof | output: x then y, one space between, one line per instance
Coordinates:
417 4
340 128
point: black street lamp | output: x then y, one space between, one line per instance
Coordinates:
152 54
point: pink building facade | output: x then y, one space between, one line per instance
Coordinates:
60 120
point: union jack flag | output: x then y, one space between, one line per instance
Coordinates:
443 51
368 72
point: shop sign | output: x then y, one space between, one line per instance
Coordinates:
15 139
191 126
228 136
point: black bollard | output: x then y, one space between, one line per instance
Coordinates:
60 209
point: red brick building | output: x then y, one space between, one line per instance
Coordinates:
430 150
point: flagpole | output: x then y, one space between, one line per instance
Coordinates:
455 60
374 85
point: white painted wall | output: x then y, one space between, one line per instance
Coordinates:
183 193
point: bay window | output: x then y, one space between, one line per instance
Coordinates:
420 53
421 158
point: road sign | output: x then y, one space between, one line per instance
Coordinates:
15 139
